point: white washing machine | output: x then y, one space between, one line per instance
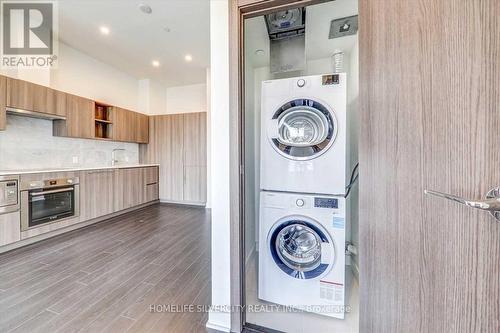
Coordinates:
303 134
301 252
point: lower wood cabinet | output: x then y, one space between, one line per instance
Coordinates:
102 192
96 193
10 228
129 188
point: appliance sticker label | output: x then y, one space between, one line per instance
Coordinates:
330 291
338 222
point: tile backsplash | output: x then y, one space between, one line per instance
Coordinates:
27 143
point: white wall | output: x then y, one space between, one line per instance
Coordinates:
186 99
220 141
209 145
85 76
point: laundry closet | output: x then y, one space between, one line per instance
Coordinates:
300 153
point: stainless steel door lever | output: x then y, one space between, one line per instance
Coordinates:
491 203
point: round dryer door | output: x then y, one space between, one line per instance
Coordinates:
302 129
302 249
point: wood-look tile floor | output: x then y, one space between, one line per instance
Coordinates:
105 277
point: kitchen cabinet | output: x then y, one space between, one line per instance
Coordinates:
3 102
96 193
124 125
178 143
28 96
195 157
150 175
151 186
142 130
79 121
130 126
10 228
166 148
128 188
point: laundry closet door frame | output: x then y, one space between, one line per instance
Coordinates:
239 10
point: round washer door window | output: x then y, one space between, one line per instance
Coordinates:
303 129
298 248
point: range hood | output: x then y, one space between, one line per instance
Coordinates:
286 31
33 114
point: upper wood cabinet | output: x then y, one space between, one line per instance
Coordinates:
80 113
142 128
79 121
124 125
33 97
3 102
130 126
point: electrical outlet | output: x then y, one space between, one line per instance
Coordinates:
75 159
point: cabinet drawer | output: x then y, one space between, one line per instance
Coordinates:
152 193
150 175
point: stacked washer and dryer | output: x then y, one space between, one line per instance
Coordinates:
302 229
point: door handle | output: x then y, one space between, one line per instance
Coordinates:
491 203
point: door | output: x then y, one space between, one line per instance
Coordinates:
429 98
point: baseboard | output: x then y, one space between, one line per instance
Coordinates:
217 327
184 203
73 227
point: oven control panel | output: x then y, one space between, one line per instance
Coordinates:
9 194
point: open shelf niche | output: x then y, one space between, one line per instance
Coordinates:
103 116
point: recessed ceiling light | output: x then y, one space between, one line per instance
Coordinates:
155 63
188 57
146 9
104 30
259 52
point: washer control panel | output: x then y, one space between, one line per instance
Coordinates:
326 203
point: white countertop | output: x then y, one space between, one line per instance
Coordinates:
68 169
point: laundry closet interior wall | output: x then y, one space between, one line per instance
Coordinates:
319 60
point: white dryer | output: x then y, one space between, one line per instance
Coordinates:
303 134
301 252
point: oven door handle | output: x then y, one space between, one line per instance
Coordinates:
35 194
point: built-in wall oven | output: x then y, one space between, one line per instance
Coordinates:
48 201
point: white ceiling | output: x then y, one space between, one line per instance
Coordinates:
318 46
136 39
